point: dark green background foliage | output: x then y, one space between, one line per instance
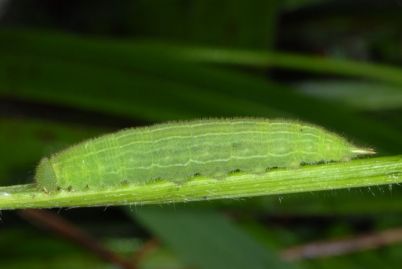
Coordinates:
70 70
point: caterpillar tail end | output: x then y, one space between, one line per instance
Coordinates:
363 151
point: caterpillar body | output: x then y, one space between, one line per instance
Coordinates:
180 150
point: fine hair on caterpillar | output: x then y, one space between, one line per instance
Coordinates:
177 151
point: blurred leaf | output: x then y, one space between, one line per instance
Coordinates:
206 239
362 95
314 64
89 86
123 54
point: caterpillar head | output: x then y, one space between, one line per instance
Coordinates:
45 176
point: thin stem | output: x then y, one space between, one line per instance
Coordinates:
351 174
71 232
314 250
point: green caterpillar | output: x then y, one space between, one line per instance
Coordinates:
178 151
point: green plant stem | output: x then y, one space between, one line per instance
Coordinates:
356 173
